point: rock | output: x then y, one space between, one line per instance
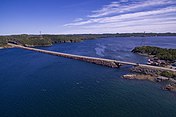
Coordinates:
170 87
150 71
161 78
139 77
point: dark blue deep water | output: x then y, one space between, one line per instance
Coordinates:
39 85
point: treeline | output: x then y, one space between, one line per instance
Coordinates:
41 40
144 34
160 53
44 40
3 41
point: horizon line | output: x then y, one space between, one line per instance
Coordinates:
85 33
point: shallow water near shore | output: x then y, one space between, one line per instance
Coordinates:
40 85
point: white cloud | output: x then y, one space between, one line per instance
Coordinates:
116 7
103 21
124 1
78 19
124 17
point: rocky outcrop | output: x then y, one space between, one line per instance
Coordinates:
139 77
147 70
170 87
27 45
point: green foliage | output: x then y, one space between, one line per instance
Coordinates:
3 42
37 40
168 74
29 40
160 53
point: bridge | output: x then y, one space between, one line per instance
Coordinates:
99 61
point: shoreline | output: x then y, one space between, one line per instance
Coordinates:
26 45
50 40
141 73
139 77
5 47
8 46
154 75
171 86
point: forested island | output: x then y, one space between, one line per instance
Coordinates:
169 55
46 40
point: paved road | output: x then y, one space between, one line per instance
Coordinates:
93 58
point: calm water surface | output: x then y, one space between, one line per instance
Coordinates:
39 85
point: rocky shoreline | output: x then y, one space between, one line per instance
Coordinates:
154 75
6 46
28 45
157 57
139 77
169 87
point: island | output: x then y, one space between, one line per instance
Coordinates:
157 56
160 57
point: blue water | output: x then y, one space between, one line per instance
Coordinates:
39 85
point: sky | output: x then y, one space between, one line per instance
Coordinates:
86 16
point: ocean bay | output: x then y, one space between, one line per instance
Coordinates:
36 84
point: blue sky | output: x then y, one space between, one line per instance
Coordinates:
91 16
